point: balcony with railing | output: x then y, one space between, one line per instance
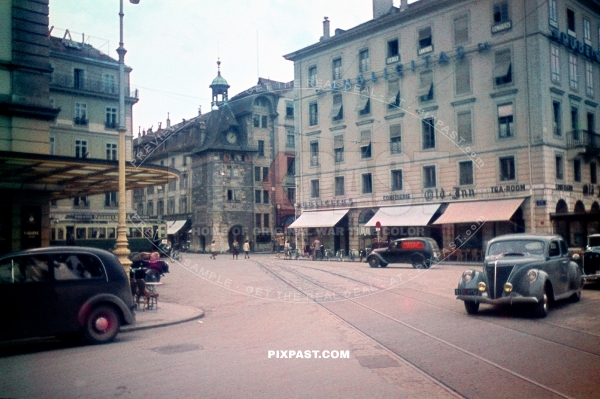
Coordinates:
90 85
584 142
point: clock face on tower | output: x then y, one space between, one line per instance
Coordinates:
231 137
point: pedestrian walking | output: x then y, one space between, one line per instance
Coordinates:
286 250
235 248
246 249
317 249
213 250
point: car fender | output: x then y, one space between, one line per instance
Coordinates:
382 261
85 309
576 274
536 287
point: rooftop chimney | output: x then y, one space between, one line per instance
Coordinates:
403 5
168 120
326 28
382 7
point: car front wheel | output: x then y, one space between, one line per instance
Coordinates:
418 261
541 308
373 261
471 307
102 325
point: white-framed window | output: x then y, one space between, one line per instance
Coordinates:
312 76
395 139
336 68
339 186
425 41
573 79
555 63
338 148
313 114
314 153
81 149
111 199
428 133
365 144
556 118
465 170
589 79
111 152
80 114
363 61
560 167
367 183
461 29
233 195
587 32
109 84
396 180
429 176
337 109
425 92
462 76
507 168
506 120
314 188
502 67
464 124
552 12
111 118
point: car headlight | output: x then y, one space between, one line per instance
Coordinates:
467 275
532 275
508 287
481 286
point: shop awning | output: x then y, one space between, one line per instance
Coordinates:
473 211
406 215
174 226
319 218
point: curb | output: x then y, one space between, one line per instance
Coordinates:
138 327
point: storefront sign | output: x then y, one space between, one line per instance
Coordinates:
571 42
541 203
510 188
325 204
454 193
564 187
396 197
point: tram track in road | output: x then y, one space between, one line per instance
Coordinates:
392 290
296 280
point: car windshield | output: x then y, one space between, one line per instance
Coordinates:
516 248
594 241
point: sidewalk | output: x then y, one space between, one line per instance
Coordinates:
167 314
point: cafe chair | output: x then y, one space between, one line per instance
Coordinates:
134 290
150 298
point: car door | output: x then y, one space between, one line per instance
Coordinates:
26 296
556 267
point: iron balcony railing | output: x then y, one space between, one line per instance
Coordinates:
583 138
90 85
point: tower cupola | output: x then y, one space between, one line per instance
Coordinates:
219 88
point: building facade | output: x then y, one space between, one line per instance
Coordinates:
459 120
85 87
236 166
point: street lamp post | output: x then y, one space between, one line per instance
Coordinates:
122 250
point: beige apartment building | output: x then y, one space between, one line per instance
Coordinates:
460 120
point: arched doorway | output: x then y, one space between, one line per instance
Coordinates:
561 225
235 232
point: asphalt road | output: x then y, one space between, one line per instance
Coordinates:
354 332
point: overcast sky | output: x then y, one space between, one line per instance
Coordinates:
173 45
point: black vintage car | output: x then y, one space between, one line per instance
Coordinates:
421 252
591 259
65 292
528 269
